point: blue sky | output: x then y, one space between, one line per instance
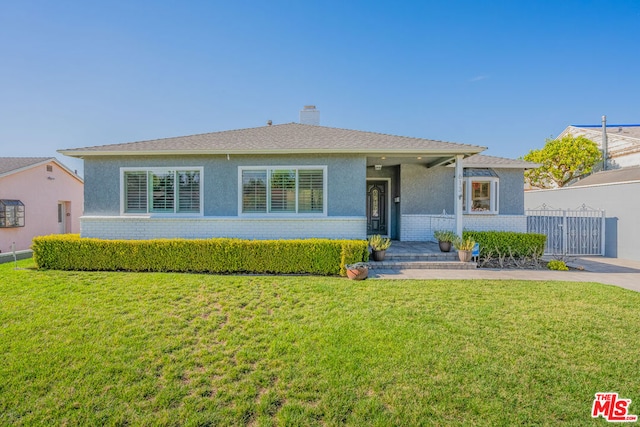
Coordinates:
501 74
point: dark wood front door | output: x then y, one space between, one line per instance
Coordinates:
377 221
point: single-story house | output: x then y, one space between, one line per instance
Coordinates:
296 180
38 196
622 142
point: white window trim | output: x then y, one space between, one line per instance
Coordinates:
269 169
16 214
494 195
157 170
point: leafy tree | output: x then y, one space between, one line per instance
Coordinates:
562 160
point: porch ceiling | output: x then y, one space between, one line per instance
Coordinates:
428 160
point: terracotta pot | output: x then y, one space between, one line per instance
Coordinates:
358 273
444 246
377 255
465 256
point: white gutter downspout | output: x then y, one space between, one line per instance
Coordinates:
458 194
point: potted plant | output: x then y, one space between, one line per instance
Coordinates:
378 245
464 247
357 271
445 239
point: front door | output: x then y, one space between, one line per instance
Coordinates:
62 218
377 221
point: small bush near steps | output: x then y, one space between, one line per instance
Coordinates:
517 245
557 264
506 249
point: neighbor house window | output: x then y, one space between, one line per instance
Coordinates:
11 213
284 190
480 191
160 190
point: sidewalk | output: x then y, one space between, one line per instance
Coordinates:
8 256
610 271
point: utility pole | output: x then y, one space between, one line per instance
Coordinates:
605 149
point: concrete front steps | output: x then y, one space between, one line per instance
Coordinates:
441 261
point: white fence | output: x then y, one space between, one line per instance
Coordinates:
569 231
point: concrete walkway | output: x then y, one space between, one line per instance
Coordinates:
8 256
610 271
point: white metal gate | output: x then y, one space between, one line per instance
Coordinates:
569 231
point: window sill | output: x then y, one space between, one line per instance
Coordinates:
282 215
162 215
482 213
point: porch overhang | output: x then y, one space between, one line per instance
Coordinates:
428 160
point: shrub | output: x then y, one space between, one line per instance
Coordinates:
379 243
444 236
310 256
464 244
556 264
507 243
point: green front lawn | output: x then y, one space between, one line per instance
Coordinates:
169 349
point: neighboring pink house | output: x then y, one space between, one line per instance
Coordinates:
38 196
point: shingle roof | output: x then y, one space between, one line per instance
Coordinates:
10 164
630 131
482 161
621 139
479 173
285 138
611 177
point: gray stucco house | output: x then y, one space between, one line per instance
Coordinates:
296 180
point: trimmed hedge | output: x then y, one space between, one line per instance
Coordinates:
499 243
310 256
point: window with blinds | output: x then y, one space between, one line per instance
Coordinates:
254 191
283 191
162 191
277 190
135 196
310 191
188 191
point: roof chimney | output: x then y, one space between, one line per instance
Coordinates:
309 115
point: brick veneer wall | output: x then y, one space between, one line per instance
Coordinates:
420 228
141 228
